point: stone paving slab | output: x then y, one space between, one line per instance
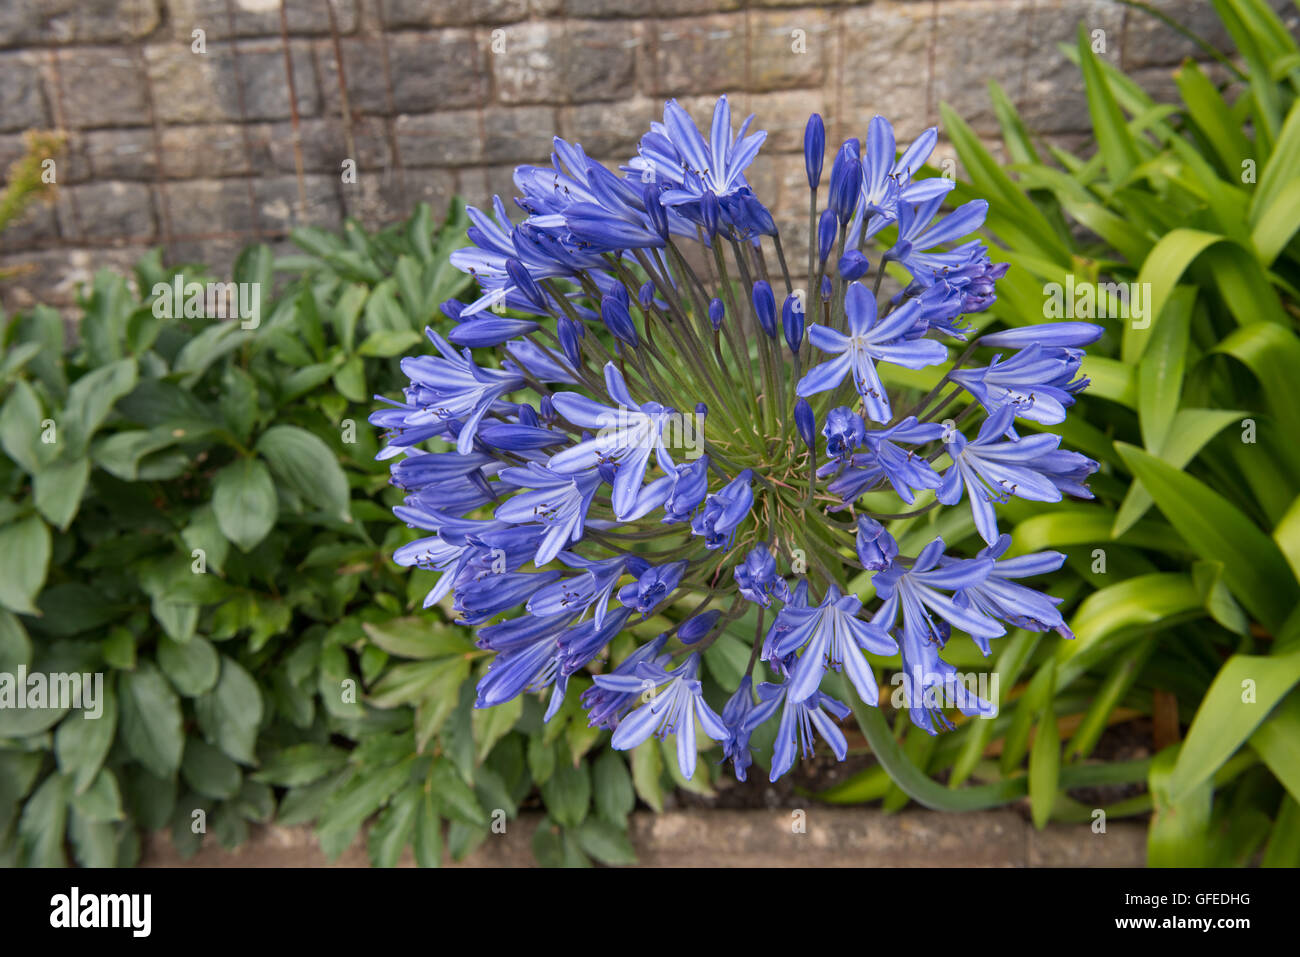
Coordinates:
830 837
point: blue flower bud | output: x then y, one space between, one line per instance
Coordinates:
846 180
570 334
805 423
814 149
452 309
646 295
525 284
717 312
709 212
792 318
853 265
876 547
826 288
826 226
618 320
655 210
693 629
765 307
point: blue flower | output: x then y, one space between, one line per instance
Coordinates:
814 152
794 733
931 684
652 588
735 714
887 461
846 182
999 597
917 592
559 501
758 578
1038 383
628 434
690 485
876 548
869 341
991 469
528 659
592 586
537 446
844 431
453 387
831 636
677 704
605 705
887 182
918 236
724 510
1070 335
676 153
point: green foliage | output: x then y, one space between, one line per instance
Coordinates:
190 507
1190 556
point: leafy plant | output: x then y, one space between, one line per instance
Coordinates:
191 509
1190 557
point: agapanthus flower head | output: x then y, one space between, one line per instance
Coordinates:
623 434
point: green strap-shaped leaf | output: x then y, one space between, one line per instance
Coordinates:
1213 116
1160 373
1272 353
1287 536
918 786
1253 565
1277 741
1114 141
1180 819
1240 698
1277 224
1191 431
1282 169
1134 603
1164 266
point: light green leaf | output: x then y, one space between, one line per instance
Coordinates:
20 427
231 713
1277 741
58 489
1180 815
1240 698
24 563
418 637
1253 565
244 501
81 743
306 465
150 716
393 828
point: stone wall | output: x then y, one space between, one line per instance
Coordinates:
200 125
